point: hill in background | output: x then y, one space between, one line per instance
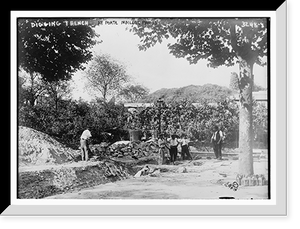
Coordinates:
192 93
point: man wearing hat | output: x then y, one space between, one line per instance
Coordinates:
216 140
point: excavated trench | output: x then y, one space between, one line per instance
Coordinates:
46 167
37 182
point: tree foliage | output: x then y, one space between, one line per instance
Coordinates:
234 84
219 41
234 81
67 122
260 122
183 117
198 122
133 93
33 89
72 117
31 86
55 52
106 76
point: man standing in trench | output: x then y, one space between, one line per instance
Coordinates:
84 144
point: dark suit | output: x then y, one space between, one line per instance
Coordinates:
217 144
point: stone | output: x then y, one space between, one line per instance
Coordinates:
197 163
182 170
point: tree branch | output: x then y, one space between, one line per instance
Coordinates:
95 84
233 37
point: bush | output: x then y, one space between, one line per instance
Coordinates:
183 117
67 123
110 122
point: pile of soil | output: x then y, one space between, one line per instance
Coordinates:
37 148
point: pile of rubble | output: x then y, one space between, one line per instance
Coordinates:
37 148
253 180
148 171
126 149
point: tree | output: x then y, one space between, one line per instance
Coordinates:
106 76
52 48
31 86
57 91
260 122
234 83
133 93
183 117
220 42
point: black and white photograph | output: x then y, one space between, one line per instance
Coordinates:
158 108
143 108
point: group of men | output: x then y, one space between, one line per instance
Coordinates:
168 148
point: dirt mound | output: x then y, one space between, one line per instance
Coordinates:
37 148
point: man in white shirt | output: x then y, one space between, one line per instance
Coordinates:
216 140
84 145
185 153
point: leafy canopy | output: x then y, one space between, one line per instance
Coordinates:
53 51
106 75
133 93
220 41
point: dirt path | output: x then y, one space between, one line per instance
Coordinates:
202 179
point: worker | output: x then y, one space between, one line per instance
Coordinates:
163 149
173 148
185 152
84 144
216 140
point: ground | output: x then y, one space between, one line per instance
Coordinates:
48 169
198 179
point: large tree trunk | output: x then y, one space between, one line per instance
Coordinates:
245 119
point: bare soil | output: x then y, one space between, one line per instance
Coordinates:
48 169
198 179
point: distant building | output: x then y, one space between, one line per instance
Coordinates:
145 105
138 105
259 96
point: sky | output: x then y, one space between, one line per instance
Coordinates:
155 68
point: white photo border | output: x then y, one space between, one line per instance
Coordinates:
276 205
